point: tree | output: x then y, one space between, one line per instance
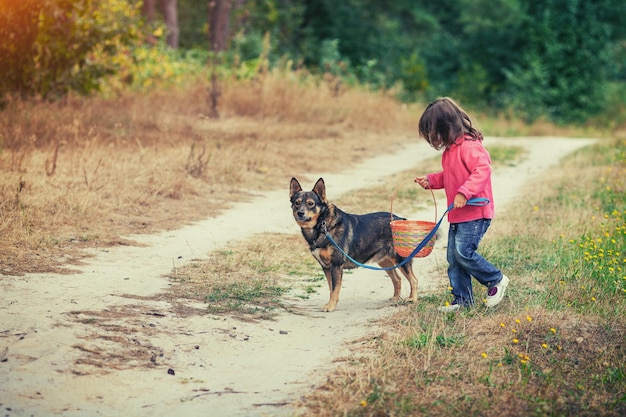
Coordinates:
563 72
170 15
219 27
169 8
18 36
149 10
219 24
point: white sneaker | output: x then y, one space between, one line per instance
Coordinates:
449 308
495 294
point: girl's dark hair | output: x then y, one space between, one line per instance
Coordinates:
444 121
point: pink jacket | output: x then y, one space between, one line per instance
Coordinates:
467 170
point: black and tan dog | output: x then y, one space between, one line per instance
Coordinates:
366 238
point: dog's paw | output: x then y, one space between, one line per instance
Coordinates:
330 307
403 301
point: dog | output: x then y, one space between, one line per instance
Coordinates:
366 238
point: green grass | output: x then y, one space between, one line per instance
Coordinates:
578 260
251 297
506 155
250 278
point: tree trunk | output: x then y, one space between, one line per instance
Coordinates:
169 8
219 27
219 24
170 15
149 9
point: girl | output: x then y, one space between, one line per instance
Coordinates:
466 174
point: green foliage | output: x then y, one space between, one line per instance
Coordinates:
281 20
143 67
562 74
18 33
423 340
506 155
193 32
247 47
252 297
550 58
475 40
614 114
561 60
51 45
413 73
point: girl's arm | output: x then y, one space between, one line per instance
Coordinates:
430 181
478 162
435 180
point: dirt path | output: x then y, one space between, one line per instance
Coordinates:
203 365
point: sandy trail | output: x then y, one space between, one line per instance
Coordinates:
221 366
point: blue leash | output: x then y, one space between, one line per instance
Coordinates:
471 202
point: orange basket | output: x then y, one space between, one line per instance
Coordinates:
408 234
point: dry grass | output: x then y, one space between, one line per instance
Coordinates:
431 365
80 173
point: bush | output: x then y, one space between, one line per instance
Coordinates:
48 46
563 73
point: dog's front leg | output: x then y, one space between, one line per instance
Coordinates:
334 275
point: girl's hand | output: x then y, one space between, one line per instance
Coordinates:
423 181
459 201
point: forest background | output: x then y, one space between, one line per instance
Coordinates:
561 60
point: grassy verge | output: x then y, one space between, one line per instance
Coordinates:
249 279
555 346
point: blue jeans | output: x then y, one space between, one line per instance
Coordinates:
464 262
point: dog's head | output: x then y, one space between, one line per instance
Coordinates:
307 205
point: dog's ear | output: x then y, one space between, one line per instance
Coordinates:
320 189
294 188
